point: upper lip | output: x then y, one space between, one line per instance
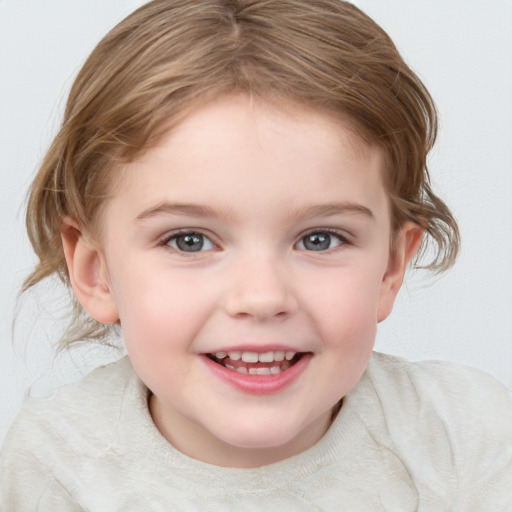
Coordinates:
260 349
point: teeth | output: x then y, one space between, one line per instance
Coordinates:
266 357
259 371
250 357
254 357
279 355
274 370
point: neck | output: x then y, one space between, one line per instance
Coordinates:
195 442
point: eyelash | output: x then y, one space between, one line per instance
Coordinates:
167 239
343 240
165 242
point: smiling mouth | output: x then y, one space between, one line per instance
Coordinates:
257 363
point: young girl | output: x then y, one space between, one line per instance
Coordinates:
238 188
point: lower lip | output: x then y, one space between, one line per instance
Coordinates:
259 384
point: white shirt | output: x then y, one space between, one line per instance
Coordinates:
427 436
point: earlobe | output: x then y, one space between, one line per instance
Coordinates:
406 245
88 274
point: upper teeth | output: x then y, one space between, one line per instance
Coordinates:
254 357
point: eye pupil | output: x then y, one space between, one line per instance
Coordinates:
190 243
317 241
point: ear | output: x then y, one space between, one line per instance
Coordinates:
406 245
88 273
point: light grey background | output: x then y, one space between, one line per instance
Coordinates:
462 49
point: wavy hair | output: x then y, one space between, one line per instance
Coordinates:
170 56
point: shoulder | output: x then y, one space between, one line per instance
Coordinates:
456 395
58 442
78 416
100 391
450 424
456 388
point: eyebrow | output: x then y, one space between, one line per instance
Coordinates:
190 209
329 209
197 210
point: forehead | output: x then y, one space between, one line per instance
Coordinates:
238 146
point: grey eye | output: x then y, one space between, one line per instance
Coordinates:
190 242
319 241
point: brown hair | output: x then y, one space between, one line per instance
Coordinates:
170 56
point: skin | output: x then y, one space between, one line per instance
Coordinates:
252 180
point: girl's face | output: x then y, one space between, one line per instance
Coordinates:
247 258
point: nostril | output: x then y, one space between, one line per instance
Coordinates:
260 295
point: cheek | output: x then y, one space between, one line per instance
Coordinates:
158 310
156 331
346 307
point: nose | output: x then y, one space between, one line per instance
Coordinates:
260 288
